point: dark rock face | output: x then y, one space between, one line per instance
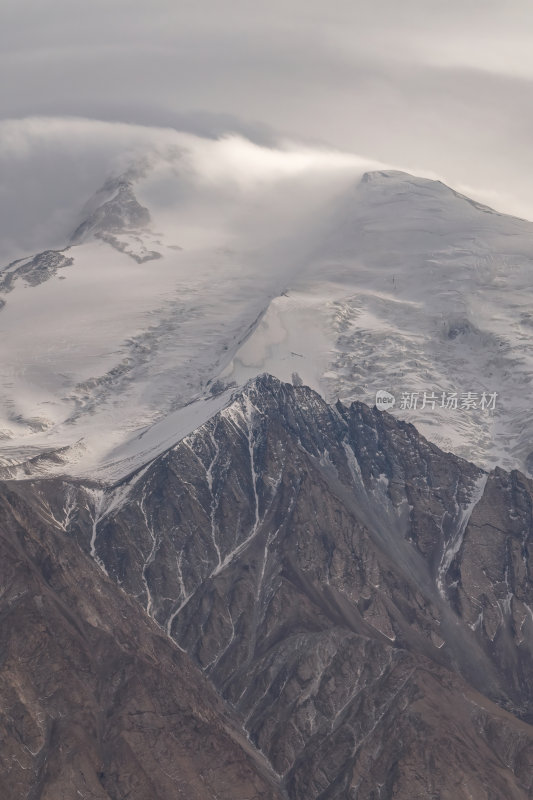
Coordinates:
121 211
115 211
122 247
361 599
95 701
35 270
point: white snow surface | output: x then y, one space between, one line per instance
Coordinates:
269 261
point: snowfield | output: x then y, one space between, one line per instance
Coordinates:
205 265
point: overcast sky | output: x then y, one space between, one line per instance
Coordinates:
426 85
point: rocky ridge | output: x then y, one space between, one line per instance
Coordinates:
95 701
361 599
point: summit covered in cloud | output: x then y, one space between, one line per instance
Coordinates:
171 268
440 87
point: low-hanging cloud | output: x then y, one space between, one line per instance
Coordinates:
434 86
51 166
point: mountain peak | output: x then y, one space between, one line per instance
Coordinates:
113 209
398 181
336 578
114 215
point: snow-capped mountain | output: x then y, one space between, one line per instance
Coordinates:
357 597
179 281
323 578
416 289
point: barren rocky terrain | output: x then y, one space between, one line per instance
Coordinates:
359 603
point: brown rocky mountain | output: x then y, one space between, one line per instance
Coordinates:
359 602
95 702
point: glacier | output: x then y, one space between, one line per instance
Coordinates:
195 270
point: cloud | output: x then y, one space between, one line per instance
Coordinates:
51 166
434 86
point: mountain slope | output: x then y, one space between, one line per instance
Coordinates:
179 281
95 702
362 599
414 289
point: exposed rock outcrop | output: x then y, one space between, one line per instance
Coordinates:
95 702
360 598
